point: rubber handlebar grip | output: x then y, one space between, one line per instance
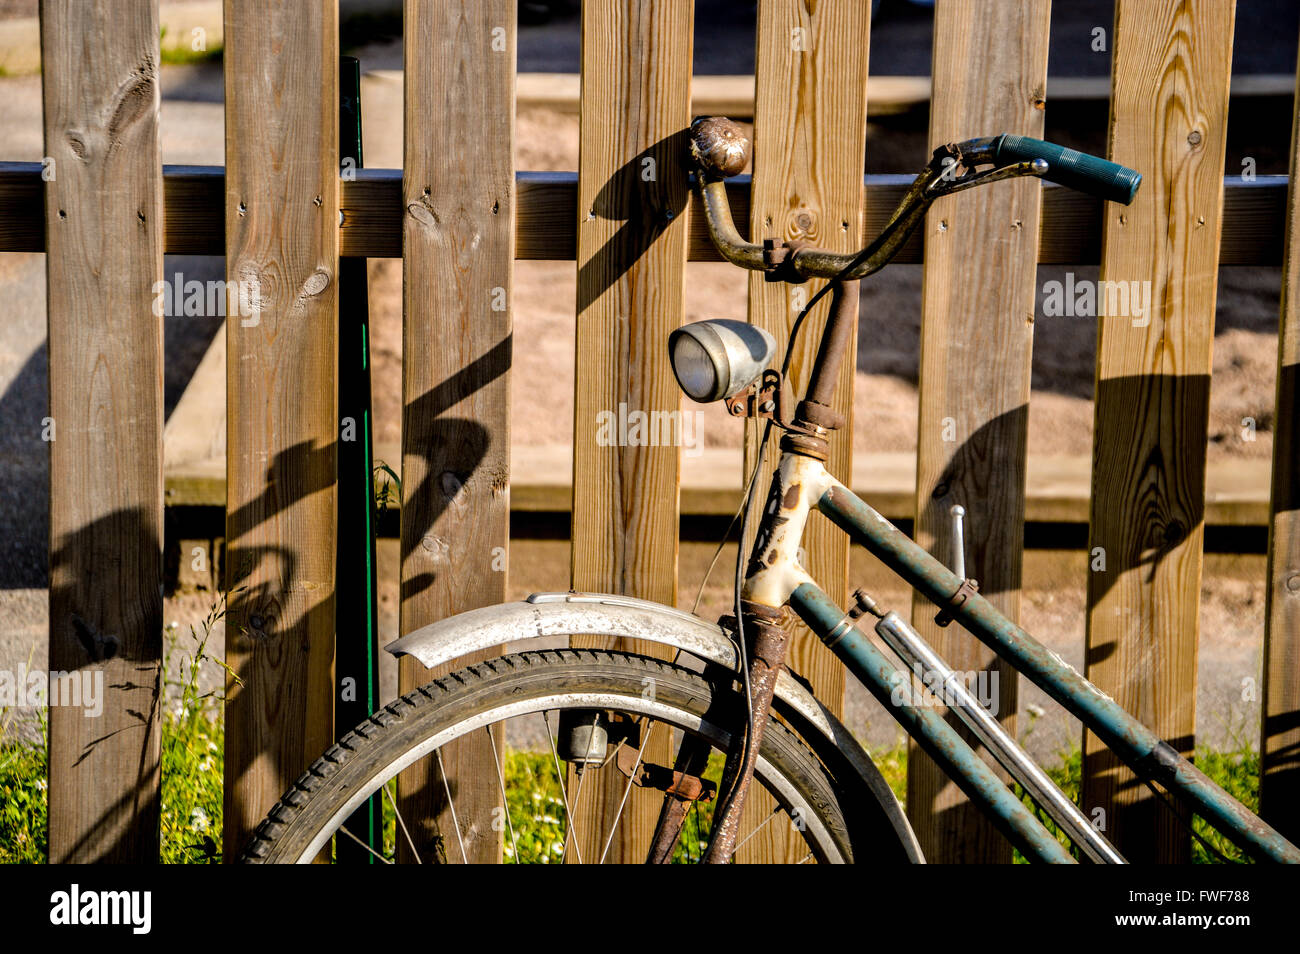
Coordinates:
1078 170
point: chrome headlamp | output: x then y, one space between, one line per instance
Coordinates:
718 358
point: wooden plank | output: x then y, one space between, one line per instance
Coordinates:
281 88
810 104
456 341
1168 120
1057 491
1279 790
103 206
636 68
546 210
978 302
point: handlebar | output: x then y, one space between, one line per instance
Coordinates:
719 150
1078 170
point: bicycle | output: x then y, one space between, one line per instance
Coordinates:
728 697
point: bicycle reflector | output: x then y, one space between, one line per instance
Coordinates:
718 358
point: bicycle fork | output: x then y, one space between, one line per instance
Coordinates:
773 571
772 574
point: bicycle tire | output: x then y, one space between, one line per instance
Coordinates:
299 826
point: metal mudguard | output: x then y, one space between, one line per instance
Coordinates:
548 615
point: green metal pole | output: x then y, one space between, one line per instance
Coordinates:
356 595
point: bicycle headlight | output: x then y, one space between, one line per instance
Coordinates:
718 358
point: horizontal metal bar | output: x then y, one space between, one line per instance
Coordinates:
1144 751
546 210
927 726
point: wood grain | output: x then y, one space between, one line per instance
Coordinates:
456 345
1168 120
103 211
632 200
810 107
1279 794
281 87
978 302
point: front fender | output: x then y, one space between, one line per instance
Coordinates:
545 615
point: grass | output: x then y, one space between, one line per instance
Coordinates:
192 766
183 52
537 812
24 769
191 755
1235 771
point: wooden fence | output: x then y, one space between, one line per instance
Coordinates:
460 216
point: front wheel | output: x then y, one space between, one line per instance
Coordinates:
519 702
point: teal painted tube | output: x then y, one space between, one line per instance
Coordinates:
925 724
1144 751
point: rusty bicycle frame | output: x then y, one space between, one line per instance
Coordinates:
774 580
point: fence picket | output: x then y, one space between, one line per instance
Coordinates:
632 201
1279 789
810 107
981 250
282 207
104 245
1171 66
456 341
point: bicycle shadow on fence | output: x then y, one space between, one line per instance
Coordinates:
272 641
647 194
452 447
106 616
438 518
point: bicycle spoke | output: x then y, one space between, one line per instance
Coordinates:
505 802
401 822
383 858
577 796
763 824
451 803
564 794
606 684
626 790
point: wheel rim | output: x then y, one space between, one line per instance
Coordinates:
820 843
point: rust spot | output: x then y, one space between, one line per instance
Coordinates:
791 497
